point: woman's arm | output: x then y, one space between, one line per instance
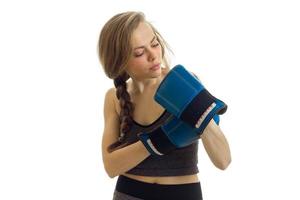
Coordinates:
122 160
216 145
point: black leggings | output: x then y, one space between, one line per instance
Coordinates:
130 189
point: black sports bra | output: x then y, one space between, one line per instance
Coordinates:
179 162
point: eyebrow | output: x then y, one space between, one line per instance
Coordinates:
144 46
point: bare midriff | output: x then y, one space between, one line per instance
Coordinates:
168 180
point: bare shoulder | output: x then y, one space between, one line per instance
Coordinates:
110 100
110 94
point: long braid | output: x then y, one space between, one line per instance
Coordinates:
126 110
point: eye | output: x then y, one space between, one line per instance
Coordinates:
155 45
139 54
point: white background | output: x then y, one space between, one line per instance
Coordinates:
52 90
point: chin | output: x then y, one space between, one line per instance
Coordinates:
156 73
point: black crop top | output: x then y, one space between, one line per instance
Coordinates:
180 162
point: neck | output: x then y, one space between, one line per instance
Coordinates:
142 86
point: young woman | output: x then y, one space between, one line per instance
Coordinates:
133 54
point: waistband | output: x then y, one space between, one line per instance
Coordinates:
154 191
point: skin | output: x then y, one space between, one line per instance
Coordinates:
142 87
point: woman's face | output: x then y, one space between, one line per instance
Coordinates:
145 61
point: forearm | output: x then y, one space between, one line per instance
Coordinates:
216 145
124 159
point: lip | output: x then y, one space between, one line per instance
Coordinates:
155 67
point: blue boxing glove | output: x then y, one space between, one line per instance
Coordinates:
171 135
217 119
184 96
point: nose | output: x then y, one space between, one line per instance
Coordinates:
151 55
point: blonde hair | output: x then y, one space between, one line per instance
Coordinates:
114 51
